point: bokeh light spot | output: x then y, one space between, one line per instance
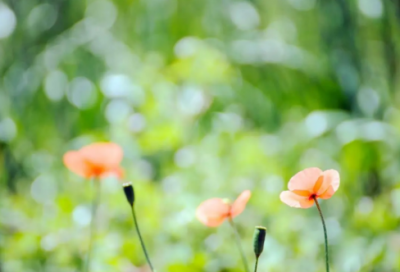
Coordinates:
82 216
8 21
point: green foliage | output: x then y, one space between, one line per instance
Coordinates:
207 98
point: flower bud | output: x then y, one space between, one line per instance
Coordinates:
258 240
129 192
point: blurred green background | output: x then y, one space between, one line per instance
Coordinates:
207 98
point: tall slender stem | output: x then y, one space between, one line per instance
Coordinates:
141 239
95 204
256 266
325 235
239 245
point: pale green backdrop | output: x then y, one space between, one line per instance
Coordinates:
207 98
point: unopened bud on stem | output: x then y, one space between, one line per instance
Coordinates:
129 192
258 240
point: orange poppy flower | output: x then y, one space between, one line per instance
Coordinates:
95 160
309 184
214 211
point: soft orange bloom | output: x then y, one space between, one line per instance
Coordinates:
95 160
214 211
310 183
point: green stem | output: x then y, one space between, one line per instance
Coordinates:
239 245
256 266
325 235
141 239
95 204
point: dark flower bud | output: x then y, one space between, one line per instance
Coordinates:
129 192
258 240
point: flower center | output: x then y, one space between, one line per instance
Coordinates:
97 170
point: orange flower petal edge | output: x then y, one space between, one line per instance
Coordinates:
104 154
240 203
95 160
310 183
75 162
214 211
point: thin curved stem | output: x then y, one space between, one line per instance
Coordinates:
239 245
256 266
95 204
141 239
325 235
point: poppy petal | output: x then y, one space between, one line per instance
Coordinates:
302 193
75 162
116 171
320 185
333 177
212 212
240 203
328 193
305 180
107 155
293 200
328 179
